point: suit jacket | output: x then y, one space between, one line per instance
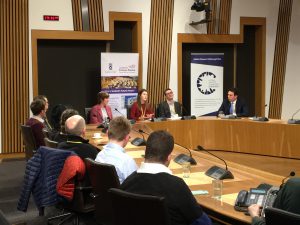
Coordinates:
164 109
96 116
241 108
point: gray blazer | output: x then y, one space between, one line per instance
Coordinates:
163 109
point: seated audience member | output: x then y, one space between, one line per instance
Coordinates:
114 152
62 136
102 111
55 117
46 122
141 109
36 122
234 105
169 107
155 178
287 199
75 130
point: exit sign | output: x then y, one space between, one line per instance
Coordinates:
51 18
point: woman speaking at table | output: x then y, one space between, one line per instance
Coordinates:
141 109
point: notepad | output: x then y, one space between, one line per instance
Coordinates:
200 192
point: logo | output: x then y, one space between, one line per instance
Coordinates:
206 83
110 66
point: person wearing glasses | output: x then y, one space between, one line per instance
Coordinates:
169 108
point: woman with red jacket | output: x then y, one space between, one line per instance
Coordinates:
101 112
141 109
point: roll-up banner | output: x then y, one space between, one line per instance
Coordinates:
206 83
119 78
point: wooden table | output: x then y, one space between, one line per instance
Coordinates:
272 138
246 175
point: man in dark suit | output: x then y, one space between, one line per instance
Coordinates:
234 105
169 108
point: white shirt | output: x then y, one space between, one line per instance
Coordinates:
233 105
172 107
104 114
38 118
115 155
153 168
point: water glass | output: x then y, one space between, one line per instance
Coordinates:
217 187
186 169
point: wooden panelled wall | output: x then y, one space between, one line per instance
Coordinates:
220 18
14 72
160 43
280 56
95 10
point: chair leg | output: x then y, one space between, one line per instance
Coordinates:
64 216
66 219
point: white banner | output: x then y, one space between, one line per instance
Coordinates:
206 83
119 76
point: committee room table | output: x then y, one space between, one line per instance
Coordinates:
245 176
272 138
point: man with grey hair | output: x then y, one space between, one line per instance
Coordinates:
75 130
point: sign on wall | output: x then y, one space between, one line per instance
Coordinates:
206 83
119 78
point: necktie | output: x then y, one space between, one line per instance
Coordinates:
231 108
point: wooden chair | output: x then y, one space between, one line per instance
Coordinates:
276 216
50 143
135 209
103 177
29 141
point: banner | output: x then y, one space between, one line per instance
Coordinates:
119 78
206 83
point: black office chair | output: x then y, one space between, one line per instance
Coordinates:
49 143
276 216
87 112
29 141
82 202
103 177
136 209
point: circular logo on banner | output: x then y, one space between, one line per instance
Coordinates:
206 83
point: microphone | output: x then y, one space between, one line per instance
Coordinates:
181 158
215 171
261 118
187 117
139 141
294 121
292 173
130 120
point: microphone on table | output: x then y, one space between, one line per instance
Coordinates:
187 117
294 121
261 118
181 158
292 173
130 120
139 141
217 172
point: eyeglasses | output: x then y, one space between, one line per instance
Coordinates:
168 93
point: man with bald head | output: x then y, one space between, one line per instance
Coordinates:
75 130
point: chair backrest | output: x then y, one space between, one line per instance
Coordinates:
103 177
135 209
276 216
50 143
29 141
87 112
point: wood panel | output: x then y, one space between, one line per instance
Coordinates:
224 16
273 138
280 57
260 54
160 44
14 72
96 15
211 26
77 16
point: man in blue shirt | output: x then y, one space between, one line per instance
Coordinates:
114 152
